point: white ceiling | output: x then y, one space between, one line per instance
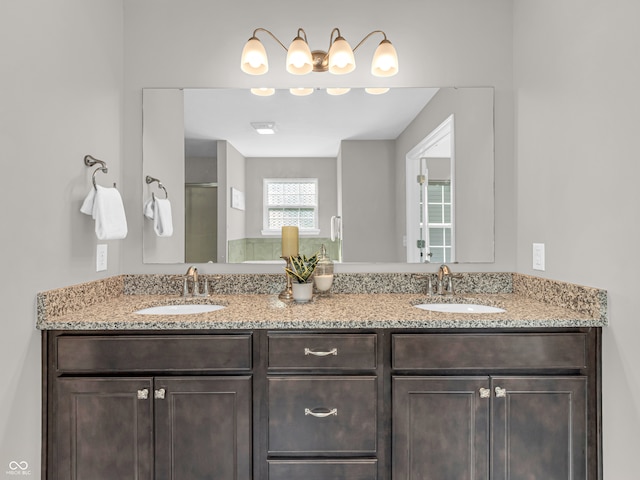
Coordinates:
310 126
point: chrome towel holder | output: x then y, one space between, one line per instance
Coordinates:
149 179
90 161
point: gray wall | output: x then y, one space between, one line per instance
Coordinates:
577 72
473 166
368 195
236 174
163 147
61 98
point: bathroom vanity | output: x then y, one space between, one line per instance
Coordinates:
348 394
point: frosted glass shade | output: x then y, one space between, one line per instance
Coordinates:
376 90
301 91
299 61
254 58
385 60
263 91
337 91
341 59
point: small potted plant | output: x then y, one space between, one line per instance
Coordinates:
301 269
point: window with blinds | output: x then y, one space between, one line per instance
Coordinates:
290 202
439 220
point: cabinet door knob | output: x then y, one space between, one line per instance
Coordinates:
501 392
143 394
159 393
485 393
320 412
333 351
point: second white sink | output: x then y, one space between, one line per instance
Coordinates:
459 308
184 309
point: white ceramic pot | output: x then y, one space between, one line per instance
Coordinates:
302 292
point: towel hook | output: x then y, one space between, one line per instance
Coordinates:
90 161
150 180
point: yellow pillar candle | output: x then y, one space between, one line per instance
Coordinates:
289 241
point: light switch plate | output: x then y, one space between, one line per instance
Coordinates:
101 258
538 256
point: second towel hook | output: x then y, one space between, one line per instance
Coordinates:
90 161
149 179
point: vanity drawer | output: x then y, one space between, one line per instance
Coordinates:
148 353
322 351
322 415
489 351
364 469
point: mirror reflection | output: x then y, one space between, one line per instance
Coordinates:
406 176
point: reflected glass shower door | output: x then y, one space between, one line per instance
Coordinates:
201 223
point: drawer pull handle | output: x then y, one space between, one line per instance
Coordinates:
485 393
501 392
333 351
322 414
143 394
159 394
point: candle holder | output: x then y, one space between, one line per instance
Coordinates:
287 293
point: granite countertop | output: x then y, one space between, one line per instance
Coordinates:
340 310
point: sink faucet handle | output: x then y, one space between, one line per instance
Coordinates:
428 277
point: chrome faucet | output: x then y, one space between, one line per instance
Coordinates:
192 275
444 284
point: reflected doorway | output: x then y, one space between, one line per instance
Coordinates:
430 181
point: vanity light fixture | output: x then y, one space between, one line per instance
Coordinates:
301 92
339 59
263 91
264 128
337 91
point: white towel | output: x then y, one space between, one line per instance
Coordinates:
148 208
159 210
106 208
87 205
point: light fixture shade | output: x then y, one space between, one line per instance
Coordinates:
299 60
254 58
376 90
385 60
263 91
301 91
337 91
341 59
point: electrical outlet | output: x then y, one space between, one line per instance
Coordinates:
101 258
538 256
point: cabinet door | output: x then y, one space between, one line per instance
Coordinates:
103 429
539 428
440 428
203 428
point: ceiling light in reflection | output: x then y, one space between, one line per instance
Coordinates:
338 91
263 91
376 90
301 92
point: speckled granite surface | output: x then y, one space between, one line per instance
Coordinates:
358 301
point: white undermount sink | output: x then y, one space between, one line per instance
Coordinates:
459 308
183 309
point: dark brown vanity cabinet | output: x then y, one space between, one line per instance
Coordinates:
115 413
481 404
493 406
323 407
